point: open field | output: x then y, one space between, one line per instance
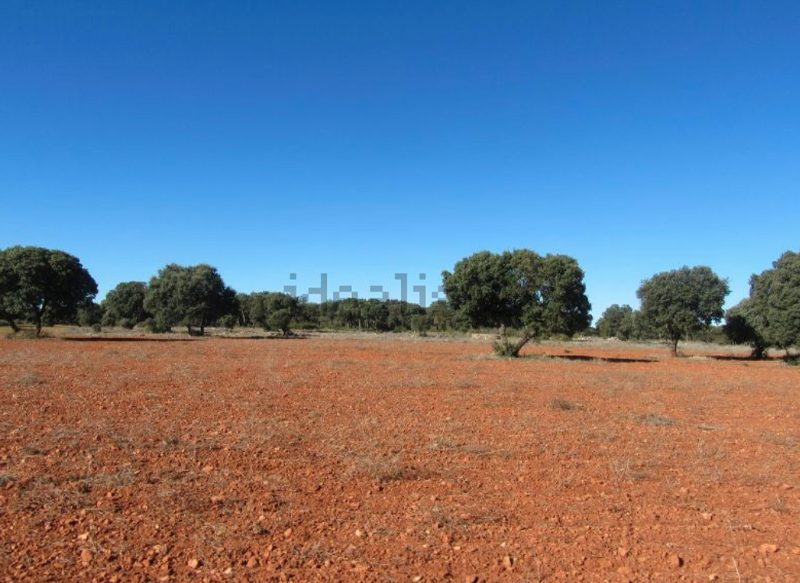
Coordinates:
381 459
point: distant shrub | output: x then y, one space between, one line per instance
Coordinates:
228 321
90 315
27 334
420 323
560 404
157 325
280 320
505 347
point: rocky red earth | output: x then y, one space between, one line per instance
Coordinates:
380 459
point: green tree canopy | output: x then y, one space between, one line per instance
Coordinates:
124 305
441 315
771 315
618 322
40 284
676 303
520 289
273 310
192 296
741 323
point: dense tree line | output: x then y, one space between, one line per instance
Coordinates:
44 287
538 296
770 316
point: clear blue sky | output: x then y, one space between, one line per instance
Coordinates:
367 138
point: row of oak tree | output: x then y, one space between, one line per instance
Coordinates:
536 296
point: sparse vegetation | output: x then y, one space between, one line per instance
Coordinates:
655 419
559 404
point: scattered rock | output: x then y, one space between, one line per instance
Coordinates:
508 562
193 563
86 556
625 572
287 533
208 469
707 515
768 548
675 561
359 533
228 572
622 552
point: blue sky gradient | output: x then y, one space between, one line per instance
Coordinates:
363 139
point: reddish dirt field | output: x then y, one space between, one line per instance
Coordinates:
336 459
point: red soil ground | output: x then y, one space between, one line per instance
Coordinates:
331 459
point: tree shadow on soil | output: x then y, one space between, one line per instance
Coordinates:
290 337
122 339
746 358
589 358
192 339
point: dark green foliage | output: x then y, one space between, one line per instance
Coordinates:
714 334
442 316
273 310
420 323
775 297
42 285
740 327
228 321
191 296
771 315
280 320
157 324
243 306
683 301
8 285
542 296
618 322
308 315
124 305
369 315
91 316
506 346
259 309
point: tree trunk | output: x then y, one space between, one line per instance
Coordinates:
673 349
758 352
526 337
38 314
504 347
189 329
12 324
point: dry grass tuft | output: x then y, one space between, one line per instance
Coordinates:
559 404
655 419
